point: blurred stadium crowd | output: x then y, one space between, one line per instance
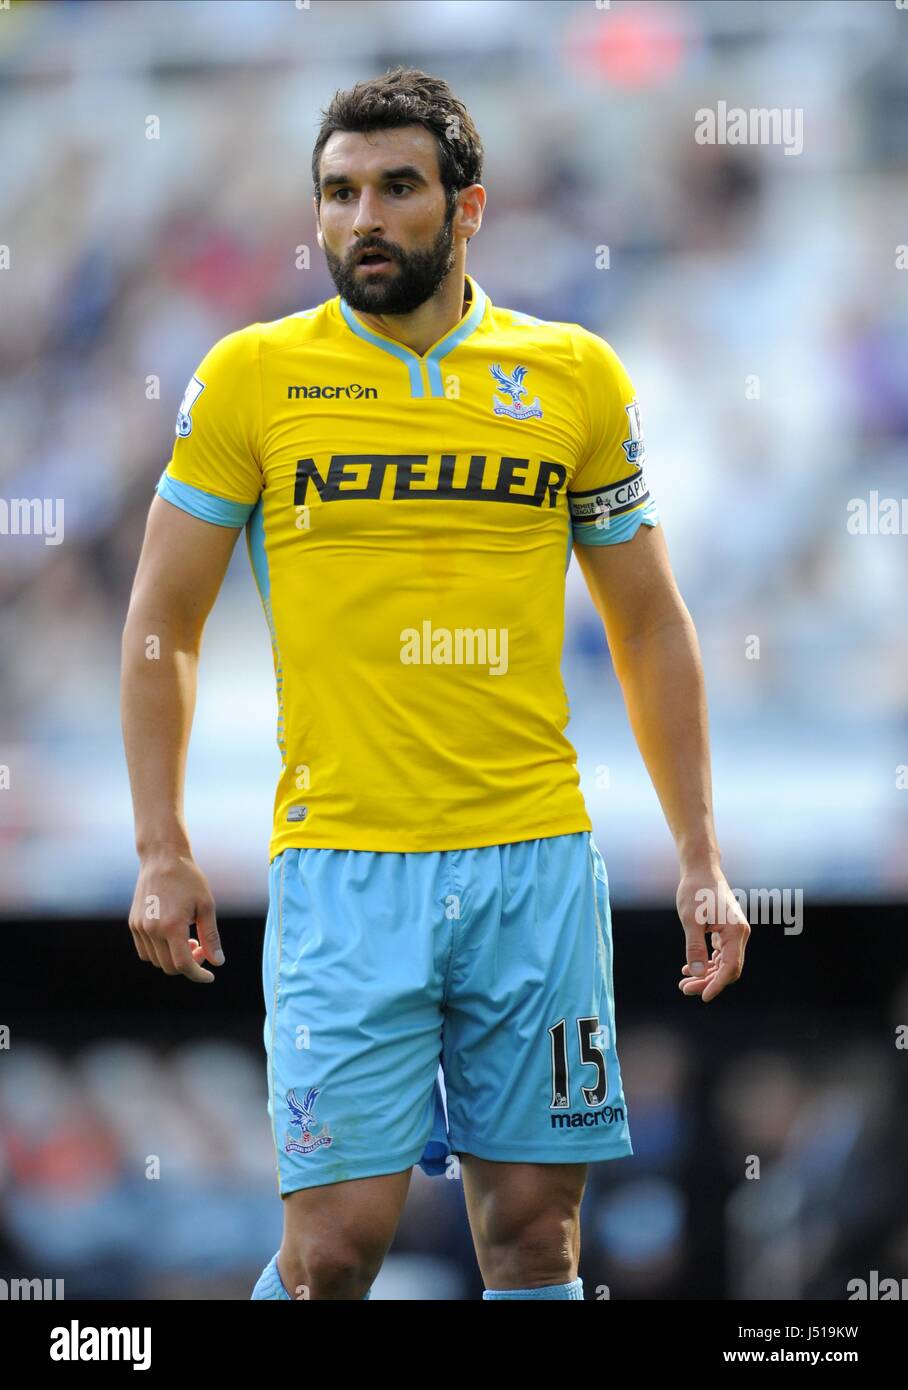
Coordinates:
131 256
82 1201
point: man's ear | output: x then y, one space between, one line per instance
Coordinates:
318 225
474 196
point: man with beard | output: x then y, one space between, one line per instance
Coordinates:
412 465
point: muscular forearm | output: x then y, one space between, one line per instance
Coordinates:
662 682
158 692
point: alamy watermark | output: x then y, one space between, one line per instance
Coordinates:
877 516
30 1290
876 1289
32 516
760 125
459 646
762 907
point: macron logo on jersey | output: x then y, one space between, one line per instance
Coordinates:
354 392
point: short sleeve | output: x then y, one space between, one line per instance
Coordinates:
608 495
215 470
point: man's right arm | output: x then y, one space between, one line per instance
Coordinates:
180 572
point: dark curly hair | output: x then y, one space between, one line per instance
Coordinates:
406 96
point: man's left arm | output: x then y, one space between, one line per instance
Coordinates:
654 649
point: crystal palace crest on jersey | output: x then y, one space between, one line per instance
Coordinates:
513 386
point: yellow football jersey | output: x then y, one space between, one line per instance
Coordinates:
409 519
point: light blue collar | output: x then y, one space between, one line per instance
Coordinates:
432 359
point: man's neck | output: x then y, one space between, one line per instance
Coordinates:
427 324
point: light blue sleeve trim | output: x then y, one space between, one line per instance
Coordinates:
205 505
620 528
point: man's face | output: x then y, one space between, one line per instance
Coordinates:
382 190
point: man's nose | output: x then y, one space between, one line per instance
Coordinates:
368 215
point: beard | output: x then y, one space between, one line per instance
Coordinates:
419 275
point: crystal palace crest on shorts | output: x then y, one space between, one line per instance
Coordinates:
302 1117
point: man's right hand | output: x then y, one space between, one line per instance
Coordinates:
171 894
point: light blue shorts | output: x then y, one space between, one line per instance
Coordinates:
430 1004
